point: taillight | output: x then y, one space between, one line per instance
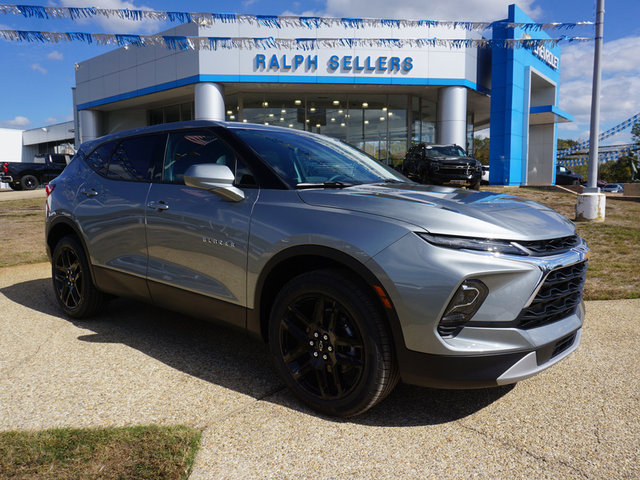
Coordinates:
49 188
5 167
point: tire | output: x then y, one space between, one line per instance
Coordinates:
72 283
29 182
15 186
475 186
331 344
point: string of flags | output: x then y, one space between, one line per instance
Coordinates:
270 21
628 123
176 42
602 157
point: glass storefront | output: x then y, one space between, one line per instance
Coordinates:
381 125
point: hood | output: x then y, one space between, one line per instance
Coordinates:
448 211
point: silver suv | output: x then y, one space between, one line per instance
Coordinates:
355 276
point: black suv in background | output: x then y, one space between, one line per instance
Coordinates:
564 176
442 165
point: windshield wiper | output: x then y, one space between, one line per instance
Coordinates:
323 185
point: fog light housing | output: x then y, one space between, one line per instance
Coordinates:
463 306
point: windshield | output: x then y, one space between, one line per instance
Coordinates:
315 159
449 151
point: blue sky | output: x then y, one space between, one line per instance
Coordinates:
37 81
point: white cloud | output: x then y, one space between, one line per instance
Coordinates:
55 55
620 86
115 24
17 122
38 68
50 120
469 10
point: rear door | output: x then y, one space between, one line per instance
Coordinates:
197 241
111 211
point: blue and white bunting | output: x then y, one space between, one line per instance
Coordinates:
628 123
269 21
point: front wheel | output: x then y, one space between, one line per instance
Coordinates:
72 283
331 344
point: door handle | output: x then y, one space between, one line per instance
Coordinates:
158 205
90 193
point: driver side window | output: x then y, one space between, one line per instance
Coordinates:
185 149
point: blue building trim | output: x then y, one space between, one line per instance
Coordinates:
552 109
328 79
511 99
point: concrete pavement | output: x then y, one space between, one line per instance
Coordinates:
136 364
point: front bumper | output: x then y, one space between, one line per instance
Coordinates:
480 371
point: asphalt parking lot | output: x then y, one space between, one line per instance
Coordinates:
140 365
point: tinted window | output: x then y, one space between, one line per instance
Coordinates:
200 146
99 158
134 158
59 159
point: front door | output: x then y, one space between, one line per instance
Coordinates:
197 241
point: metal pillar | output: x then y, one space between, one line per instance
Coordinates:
452 116
209 101
591 203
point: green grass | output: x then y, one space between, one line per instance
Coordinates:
111 453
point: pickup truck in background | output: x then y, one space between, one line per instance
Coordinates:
27 176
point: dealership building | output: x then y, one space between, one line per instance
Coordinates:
380 99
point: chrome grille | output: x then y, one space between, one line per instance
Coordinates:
559 296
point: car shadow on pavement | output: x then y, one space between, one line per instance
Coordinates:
234 360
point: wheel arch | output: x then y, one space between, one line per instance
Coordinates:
60 228
300 259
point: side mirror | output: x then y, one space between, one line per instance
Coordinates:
216 178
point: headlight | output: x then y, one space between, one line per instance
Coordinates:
483 244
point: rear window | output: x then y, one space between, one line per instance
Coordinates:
134 158
99 158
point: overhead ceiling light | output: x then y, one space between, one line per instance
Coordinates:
271 115
307 120
382 119
229 112
244 120
340 111
333 119
391 114
265 104
232 117
365 104
366 122
282 119
342 124
298 102
312 109
336 102
283 111
266 123
318 125
291 125
384 109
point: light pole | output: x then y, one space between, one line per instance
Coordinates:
591 203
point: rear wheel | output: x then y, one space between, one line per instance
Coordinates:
331 344
29 182
72 283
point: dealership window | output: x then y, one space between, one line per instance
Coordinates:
381 125
171 113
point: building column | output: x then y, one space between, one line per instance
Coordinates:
209 101
452 116
89 125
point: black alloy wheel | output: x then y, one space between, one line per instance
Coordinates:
331 344
29 182
72 283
